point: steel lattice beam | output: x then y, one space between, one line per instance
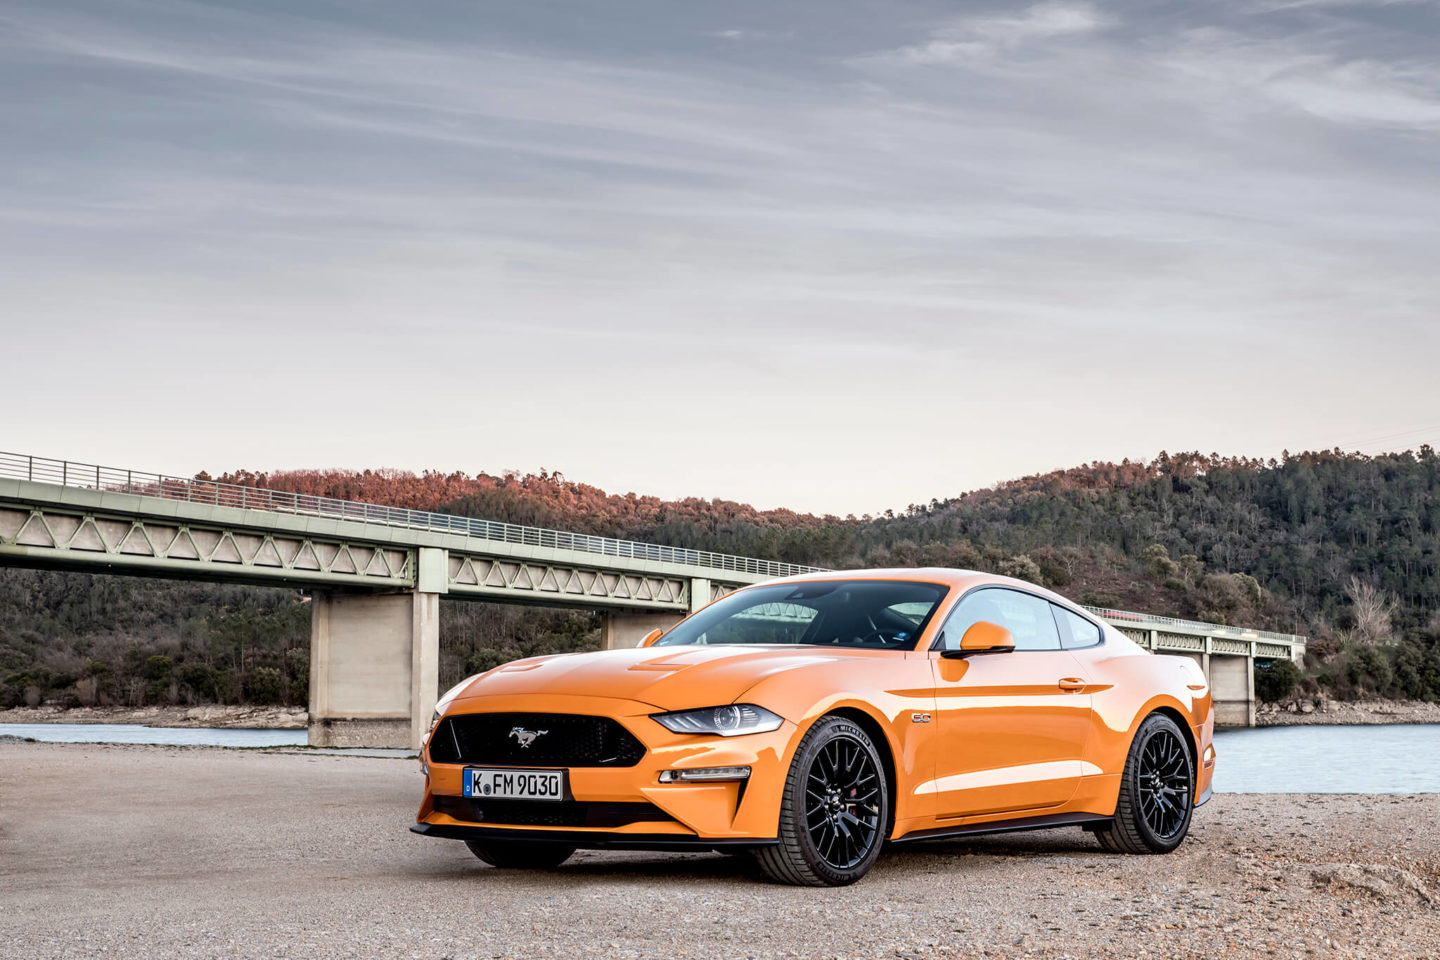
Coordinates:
58 538
44 525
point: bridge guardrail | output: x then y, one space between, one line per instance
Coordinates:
1213 629
92 476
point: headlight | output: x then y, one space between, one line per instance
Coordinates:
705 775
731 720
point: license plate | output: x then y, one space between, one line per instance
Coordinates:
501 783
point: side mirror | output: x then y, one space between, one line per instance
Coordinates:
651 637
983 637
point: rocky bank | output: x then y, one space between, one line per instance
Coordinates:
211 715
1320 710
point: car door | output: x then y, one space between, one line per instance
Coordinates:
1011 726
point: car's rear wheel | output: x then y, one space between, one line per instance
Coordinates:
1157 792
834 810
520 855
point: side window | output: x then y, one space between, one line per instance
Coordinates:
1027 617
1079 632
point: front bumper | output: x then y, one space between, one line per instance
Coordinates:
692 815
589 839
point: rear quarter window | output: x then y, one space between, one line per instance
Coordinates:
1075 630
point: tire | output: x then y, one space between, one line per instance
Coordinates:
834 811
519 854
1157 792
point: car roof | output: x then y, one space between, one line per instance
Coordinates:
961 579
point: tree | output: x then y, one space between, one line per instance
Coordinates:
1275 680
1021 568
1265 544
1191 568
1373 610
1157 560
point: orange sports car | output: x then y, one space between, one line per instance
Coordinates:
807 721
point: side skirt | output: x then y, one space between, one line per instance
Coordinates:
1005 826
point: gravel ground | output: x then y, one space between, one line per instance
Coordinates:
154 852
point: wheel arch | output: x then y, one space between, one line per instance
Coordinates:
1188 733
1169 708
879 736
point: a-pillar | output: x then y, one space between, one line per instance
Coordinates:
375 662
627 629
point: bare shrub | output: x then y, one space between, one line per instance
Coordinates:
1373 610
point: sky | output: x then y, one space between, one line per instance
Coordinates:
831 255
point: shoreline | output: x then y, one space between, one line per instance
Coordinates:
1296 712
1319 711
229 716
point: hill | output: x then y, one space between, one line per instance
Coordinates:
1342 547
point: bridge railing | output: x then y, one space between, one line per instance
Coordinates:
92 476
1192 626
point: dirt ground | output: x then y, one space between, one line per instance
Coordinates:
159 852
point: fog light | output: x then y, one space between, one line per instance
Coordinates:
703 774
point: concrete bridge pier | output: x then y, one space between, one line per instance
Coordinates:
375 662
1232 686
619 630
628 628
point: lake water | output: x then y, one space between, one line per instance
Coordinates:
1404 758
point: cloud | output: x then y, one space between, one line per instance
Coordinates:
532 213
975 37
1273 6
1313 75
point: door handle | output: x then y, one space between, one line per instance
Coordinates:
1072 684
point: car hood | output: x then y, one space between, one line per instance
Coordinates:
671 678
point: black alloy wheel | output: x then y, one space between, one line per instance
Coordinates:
834 811
1164 780
1157 792
841 809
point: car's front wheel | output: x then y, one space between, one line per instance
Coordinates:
834 810
520 855
1157 792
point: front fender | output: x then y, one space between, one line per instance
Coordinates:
896 691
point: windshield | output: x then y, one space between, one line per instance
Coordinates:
880 614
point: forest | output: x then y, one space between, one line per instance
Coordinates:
1343 548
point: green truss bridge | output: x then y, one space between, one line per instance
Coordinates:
376 574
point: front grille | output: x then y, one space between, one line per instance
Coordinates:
568 740
541 813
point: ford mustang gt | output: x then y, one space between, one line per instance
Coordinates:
809 721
